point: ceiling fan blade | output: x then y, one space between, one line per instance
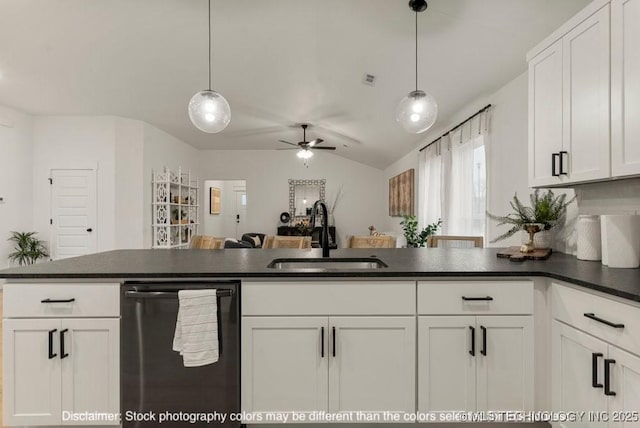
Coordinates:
286 142
316 141
293 148
324 148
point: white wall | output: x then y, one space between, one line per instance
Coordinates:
16 177
223 224
267 173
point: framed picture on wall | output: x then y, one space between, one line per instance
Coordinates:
401 194
214 200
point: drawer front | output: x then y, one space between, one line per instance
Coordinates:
329 298
475 297
570 305
89 300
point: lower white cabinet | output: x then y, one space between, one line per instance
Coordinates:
58 365
468 363
328 363
591 376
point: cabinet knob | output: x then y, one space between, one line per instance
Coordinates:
89 230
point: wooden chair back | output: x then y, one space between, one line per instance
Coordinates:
300 242
367 241
449 241
202 242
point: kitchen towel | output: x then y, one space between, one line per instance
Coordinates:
589 238
196 334
622 236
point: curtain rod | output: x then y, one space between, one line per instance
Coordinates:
482 110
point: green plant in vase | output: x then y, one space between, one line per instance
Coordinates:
28 248
415 238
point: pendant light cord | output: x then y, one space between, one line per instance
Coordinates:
210 81
416 50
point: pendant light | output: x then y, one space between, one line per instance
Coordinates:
418 111
209 111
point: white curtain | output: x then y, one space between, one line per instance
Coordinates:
453 180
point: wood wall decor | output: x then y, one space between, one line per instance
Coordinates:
214 206
401 194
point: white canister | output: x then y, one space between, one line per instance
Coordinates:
589 238
623 241
603 233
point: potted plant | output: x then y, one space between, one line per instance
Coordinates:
414 238
28 248
547 210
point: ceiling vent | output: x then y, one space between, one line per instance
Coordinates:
369 79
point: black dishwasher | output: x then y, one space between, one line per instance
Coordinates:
156 388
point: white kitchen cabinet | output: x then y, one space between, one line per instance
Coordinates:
372 364
626 385
468 363
569 99
285 363
625 87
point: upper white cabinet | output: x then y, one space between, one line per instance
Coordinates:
569 117
625 87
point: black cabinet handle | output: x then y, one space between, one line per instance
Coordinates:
51 354
472 351
321 342
89 230
477 299
483 351
554 173
603 321
334 341
607 376
594 369
561 155
57 300
63 355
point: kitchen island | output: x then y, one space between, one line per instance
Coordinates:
432 332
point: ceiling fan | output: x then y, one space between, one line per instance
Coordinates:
305 147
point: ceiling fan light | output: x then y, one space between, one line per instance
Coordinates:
304 154
417 112
209 111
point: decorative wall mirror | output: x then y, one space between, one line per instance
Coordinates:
303 194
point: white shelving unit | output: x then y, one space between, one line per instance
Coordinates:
175 208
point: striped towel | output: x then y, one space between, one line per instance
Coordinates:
196 335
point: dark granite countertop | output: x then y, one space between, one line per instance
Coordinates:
402 263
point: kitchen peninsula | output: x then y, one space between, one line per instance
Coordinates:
441 329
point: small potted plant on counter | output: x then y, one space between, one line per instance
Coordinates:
28 249
547 210
414 238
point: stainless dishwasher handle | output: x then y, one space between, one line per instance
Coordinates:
221 292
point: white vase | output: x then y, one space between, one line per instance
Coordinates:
542 239
330 220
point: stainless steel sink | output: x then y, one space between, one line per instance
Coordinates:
328 264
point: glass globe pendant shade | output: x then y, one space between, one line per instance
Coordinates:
209 111
417 112
304 154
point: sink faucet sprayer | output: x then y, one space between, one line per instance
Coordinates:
324 236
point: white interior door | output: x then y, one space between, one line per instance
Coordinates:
90 366
73 213
447 352
625 382
241 211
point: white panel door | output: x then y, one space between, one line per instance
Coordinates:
504 366
372 364
31 372
241 211
586 69
545 116
284 364
89 351
625 382
574 355
73 213
625 87
447 352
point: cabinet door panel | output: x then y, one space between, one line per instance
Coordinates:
545 114
91 371
31 379
282 364
505 373
571 370
625 87
586 69
625 382
446 369
374 364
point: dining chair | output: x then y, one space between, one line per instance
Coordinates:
367 241
450 241
203 242
300 242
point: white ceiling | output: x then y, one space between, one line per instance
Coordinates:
278 62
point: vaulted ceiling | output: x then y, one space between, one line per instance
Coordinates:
278 63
